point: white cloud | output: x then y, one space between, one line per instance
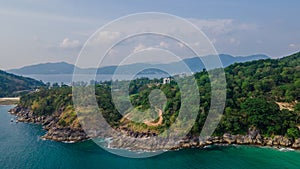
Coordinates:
138 48
247 26
234 41
44 16
181 45
216 27
163 44
113 52
105 36
197 43
214 41
224 32
67 43
294 46
222 26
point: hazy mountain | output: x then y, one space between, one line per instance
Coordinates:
195 64
45 68
13 85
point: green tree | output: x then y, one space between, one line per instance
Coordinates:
293 133
260 112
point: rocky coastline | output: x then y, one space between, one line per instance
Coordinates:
56 132
253 137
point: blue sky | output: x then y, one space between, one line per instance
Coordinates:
36 31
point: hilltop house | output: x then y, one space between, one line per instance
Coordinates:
166 80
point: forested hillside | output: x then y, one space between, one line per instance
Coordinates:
13 85
255 90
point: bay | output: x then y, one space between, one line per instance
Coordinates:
67 78
22 148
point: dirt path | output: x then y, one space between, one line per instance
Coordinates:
285 105
160 120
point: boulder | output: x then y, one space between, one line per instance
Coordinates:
230 139
240 139
296 144
285 142
258 139
268 142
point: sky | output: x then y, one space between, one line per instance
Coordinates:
39 31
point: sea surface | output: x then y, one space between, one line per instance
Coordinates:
67 78
22 148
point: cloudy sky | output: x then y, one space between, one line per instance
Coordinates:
38 31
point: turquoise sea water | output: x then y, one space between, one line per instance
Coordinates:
20 147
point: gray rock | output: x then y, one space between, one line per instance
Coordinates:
296 144
230 139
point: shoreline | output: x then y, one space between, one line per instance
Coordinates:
6 101
73 135
278 148
282 149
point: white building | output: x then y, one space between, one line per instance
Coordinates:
166 80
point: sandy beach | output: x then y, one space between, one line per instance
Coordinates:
9 100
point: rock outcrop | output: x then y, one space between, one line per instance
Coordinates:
50 123
126 138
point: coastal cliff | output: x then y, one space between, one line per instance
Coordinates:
70 134
51 124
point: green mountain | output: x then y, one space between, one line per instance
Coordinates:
13 85
195 64
45 68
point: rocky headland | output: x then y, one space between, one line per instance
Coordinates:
50 124
76 134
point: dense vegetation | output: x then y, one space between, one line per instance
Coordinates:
13 85
254 91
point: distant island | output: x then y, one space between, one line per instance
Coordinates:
195 64
262 108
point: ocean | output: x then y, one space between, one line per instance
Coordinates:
22 148
67 78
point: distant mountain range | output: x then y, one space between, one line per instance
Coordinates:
13 85
195 65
